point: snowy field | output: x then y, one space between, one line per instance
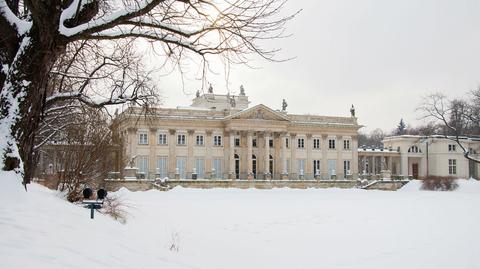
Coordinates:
230 228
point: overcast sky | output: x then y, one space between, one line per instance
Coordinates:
382 56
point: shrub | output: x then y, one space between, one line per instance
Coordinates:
434 183
116 207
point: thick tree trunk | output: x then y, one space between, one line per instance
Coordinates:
27 83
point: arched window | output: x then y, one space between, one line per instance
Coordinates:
236 157
414 149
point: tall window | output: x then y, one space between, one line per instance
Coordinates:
270 143
254 142
331 143
142 164
200 167
286 142
182 166
143 139
217 165
452 147
181 139
316 167
162 139
452 166
301 143
331 167
199 140
162 166
301 166
346 144
346 168
316 143
237 142
217 140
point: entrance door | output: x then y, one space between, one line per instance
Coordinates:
472 169
237 166
415 170
270 163
254 166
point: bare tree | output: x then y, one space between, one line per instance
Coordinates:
372 139
36 34
430 128
83 150
459 118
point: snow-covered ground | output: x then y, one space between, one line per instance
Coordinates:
230 228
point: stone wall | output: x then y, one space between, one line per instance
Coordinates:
142 185
263 184
386 185
132 185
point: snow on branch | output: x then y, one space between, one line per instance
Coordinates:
21 26
103 23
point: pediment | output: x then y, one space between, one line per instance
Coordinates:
259 112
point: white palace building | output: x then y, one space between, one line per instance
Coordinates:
221 137
421 157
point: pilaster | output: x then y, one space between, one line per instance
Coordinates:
190 159
339 148
172 156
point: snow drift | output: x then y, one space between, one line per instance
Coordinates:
232 228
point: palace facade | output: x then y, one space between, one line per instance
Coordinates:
222 137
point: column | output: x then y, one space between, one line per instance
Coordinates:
249 156
267 156
231 170
284 137
390 164
293 160
172 157
404 165
339 148
364 165
309 166
374 165
152 160
354 165
208 154
190 159
133 139
324 166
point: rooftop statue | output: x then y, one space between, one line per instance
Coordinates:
352 111
242 90
198 93
210 89
284 105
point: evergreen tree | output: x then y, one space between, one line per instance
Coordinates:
401 128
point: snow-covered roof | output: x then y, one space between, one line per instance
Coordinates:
413 137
